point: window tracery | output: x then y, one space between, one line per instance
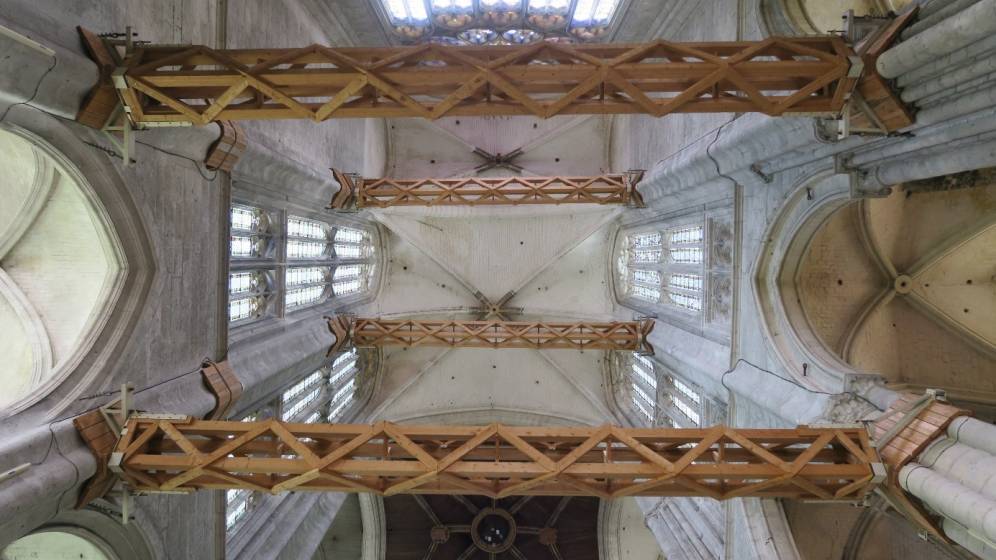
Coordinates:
238 503
317 262
324 395
499 22
247 294
250 232
250 282
342 380
679 270
649 394
300 396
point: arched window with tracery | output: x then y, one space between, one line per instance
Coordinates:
647 393
326 261
281 266
331 393
252 281
499 22
354 253
679 270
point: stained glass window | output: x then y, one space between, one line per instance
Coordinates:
302 276
687 410
349 235
642 409
244 308
644 371
643 395
685 390
304 296
686 255
248 232
245 218
301 396
690 302
241 282
300 227
406 10
298 249
665 266
499 21
237 505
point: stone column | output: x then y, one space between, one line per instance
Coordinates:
956 32
956 477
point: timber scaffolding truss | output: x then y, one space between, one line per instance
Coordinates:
538 335
157 453
486 191
175 85
169 453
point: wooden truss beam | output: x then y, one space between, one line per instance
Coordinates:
539 335
486 191
158 454
198 84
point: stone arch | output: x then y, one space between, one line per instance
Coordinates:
95 530
74 261
623 532
810 17
905 286
784 323
849 533
850 287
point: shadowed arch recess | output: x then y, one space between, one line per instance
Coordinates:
60 269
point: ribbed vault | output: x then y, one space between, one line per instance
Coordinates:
906 287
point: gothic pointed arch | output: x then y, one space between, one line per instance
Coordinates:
75 263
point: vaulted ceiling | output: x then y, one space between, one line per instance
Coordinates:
410 520
546 262
906 286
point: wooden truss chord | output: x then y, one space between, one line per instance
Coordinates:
197 84
158 454
629 335
484 191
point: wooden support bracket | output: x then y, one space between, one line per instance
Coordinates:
902 433
345 198
101 439
100 104
875 105
341 328
226 151
221 380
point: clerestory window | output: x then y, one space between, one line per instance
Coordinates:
665 267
